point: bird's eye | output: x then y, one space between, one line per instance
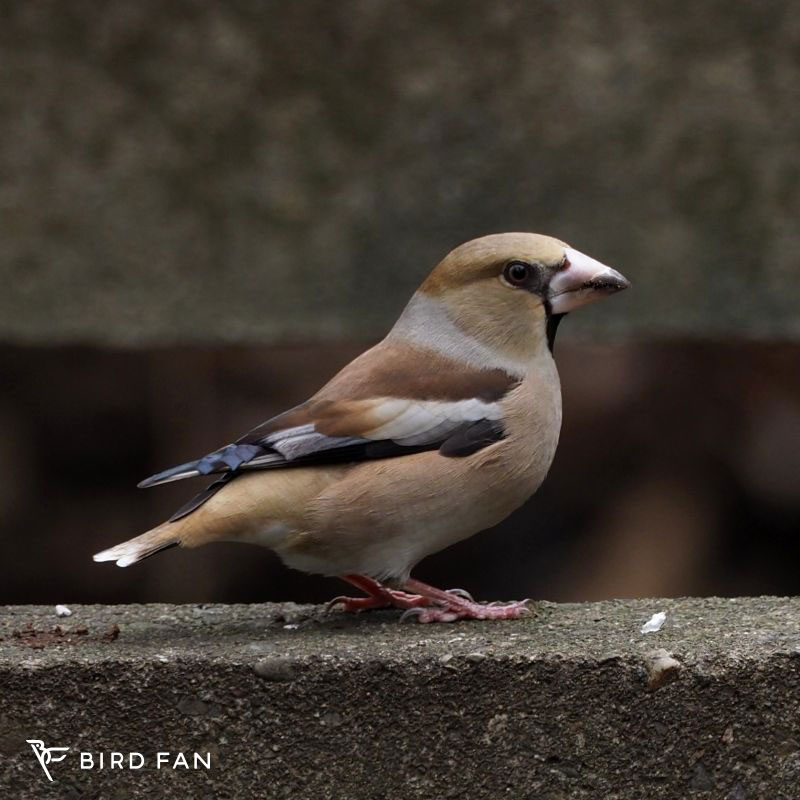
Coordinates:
517 272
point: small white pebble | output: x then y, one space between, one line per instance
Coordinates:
655 623
63 611
290 627
662 668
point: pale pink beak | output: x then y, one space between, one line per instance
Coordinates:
582 281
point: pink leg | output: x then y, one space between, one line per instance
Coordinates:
450 606
379 596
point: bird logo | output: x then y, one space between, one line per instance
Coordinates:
47 755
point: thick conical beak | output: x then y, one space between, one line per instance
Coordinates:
582 280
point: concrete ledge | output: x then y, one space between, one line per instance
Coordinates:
289 702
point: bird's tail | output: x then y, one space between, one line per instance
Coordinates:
220 519
148 544
246 508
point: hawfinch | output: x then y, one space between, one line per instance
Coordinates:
439 431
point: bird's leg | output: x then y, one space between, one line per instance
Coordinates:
375 597
379 596
451 606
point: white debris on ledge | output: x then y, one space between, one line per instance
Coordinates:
63 611
662 668
655 623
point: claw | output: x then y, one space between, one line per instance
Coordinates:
527 610
508 603
355 604
462 593
331 604
411 612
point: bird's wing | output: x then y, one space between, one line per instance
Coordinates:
384 404
378 428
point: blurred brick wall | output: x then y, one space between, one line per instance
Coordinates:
266 171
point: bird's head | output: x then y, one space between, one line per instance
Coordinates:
509 290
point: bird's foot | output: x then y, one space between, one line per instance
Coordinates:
457 604
379 596
425 603
469 611
388 598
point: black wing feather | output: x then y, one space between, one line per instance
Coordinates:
471 438
202 497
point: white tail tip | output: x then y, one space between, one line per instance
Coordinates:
141 547
124 556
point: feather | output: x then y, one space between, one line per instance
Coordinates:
202 497
471 438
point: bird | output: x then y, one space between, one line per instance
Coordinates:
434 434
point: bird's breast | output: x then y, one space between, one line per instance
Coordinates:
532 418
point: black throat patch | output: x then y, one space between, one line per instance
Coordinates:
552 327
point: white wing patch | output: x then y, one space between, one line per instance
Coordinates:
405 422
302 440
425 421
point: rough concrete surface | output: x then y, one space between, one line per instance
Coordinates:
257 171
291 702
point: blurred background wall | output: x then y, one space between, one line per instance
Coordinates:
207 208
